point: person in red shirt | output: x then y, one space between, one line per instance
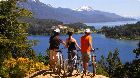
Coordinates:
86 47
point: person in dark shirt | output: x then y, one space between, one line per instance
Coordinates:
71 43
54 47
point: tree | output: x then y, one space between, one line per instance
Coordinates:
128 31
137 50
111 64
13 33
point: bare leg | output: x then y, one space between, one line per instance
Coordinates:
85 66
53 59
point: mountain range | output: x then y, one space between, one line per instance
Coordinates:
85 14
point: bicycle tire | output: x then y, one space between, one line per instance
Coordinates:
69 68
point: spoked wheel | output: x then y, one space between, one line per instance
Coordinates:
60 68
78 71
68 68
78 67
94 68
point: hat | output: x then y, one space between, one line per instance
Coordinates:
87 30
57 30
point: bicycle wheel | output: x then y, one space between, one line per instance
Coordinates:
68 68
79 66
60 64
62 67
94 66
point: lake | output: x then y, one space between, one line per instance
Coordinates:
110 24
99 41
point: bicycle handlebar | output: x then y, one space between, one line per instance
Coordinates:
60 50
91 50
73 50
94 50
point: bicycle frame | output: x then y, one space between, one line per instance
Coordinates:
93 59
73 63
60 62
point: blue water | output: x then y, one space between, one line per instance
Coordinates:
99 41
110 24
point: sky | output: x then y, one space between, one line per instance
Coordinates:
128 8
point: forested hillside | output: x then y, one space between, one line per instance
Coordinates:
40 26
128 31
45 26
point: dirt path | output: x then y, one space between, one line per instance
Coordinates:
50 74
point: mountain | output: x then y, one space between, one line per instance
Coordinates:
83 14
84 8
137 18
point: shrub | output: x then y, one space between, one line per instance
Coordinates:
20 67
101 70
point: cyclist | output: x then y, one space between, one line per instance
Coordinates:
71 44
54 46
86 47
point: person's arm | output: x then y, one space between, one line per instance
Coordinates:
90 43
66 43
63 42
77 45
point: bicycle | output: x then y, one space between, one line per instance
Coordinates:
92 63
73 63
59 67
93 59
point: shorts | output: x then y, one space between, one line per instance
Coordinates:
53 56
85 56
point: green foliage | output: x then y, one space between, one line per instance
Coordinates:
132 69
78 26
20 67
111 63
13 33
100 70
43 58
41 26
128 31
113 66
137 50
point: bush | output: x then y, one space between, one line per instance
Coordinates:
43 58
101 70
20 67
